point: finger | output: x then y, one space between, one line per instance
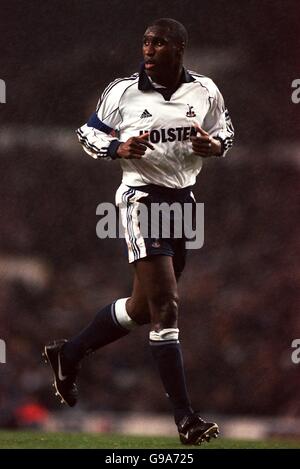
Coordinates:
145 135
200 130
138 148
206 150
144 138
205 146
141 144
135 156
138 151
205 139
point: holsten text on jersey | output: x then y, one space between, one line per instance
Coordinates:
172 134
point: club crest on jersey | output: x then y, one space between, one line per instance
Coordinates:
190 112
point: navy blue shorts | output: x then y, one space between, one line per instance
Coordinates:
139 235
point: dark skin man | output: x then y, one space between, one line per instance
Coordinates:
152 301
154 297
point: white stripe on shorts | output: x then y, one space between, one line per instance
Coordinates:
127 200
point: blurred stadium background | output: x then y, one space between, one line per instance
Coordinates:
240 293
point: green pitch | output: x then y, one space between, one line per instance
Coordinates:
39 440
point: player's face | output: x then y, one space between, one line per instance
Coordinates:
161 54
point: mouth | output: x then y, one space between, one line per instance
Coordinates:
149 65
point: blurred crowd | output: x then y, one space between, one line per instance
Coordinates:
239 294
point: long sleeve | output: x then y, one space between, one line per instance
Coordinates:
217 121
97 135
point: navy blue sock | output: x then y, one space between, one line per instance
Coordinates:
168 357
103 330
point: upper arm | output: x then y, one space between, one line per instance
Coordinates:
97 135
107 116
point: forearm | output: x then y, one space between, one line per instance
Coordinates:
96 143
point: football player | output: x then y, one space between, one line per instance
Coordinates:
159 124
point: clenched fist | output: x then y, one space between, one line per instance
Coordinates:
204 145
134 147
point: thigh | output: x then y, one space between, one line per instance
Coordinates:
156 275
179 257
154 282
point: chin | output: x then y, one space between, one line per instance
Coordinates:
152 74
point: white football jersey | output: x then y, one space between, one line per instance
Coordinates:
133 106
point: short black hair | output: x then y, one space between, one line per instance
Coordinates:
175 29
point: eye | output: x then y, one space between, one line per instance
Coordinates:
160 42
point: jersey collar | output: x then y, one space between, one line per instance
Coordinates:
145 83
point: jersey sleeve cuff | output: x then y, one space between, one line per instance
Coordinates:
113 148
223 149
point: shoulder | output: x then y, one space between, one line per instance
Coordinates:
117 87
206 83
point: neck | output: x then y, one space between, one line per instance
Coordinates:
169 79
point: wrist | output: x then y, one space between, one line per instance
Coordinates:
113 149
219 146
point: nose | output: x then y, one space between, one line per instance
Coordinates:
149 50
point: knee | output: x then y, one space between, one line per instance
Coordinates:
164 310
138 311
142 318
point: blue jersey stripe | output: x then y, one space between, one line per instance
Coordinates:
96 123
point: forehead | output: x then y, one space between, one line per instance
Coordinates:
158 32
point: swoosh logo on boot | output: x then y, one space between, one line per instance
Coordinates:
61 377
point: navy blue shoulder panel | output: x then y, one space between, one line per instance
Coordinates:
95 122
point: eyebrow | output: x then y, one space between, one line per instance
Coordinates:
155 38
